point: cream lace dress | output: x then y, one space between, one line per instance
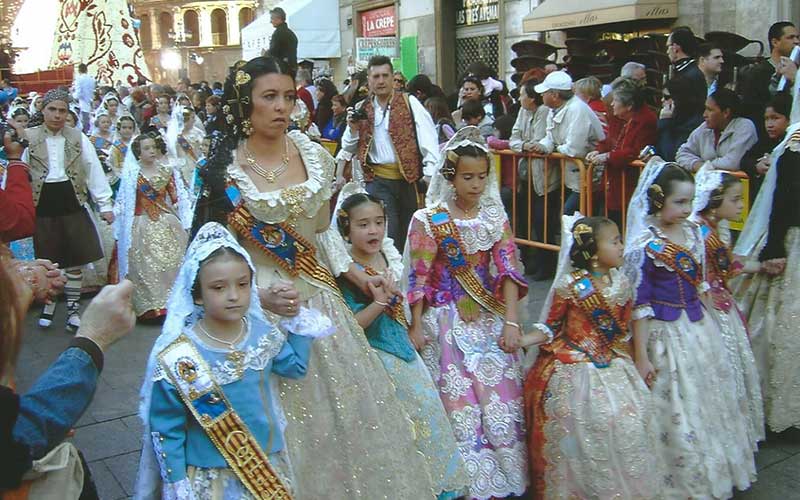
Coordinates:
347 433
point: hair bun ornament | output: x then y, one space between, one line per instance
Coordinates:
579 231
656 195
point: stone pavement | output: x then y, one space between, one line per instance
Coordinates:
109 433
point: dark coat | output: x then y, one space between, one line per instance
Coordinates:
283 45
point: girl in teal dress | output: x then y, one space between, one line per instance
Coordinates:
361 222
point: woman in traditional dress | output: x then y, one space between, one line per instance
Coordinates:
718 201
678 351
347 433
771 300
589 413
463 286
153 213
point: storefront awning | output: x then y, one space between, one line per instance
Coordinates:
567 14
315 22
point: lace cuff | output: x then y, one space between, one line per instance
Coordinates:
546 330
179 490
344 155
331 245
644 311
309 323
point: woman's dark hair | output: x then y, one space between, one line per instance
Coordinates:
327 88
449 168
781 103
213 204
664 186
472 109
422 84
353 201
530 90
148 133
717 195
481 70
216 254
504 125
340 99
437 107
727 99
474 80
584 244
213 100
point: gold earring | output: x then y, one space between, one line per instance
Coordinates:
247 127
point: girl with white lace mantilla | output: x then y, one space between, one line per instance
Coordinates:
704 440
463 285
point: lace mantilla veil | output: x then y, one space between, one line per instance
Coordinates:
564 264
125 206
183 313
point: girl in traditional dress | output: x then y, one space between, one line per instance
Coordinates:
717 201
185 136
153 213
217 355
463 287
771 300
679 353
361 221
163 113
348 433
589 413
126 128
111 106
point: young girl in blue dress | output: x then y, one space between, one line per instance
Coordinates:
703 435
212 417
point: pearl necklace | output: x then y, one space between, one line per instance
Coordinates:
271 176
230 344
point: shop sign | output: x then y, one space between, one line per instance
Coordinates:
469 12
375 46
378 22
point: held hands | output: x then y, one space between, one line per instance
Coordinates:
43 278
774 267
511 339
109 316
380 293
646 370
281 298
418 340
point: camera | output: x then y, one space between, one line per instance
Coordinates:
5 127
358 114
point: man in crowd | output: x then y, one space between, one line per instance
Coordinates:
83 92
303 80
681 50
64 171
283 44
635 71
396 144
710 63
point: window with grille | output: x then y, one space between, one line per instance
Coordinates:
477 48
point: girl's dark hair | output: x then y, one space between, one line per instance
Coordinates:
148 133
437 107
449 168
71 113
664 186
715 200
781 103
340 99
353 201
126 118
20 111
213 204
472 109
474 80
219 252
584 244
727 99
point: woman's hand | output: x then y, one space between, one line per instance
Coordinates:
281 298
109 316
774 267
646 371
417 338
667 109
511 338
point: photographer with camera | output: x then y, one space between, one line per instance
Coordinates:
394 138
16 198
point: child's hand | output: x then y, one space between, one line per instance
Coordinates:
416 336
379 292
511 339
646 370
536 337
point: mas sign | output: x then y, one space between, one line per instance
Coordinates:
378 22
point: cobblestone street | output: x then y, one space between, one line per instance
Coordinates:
109 433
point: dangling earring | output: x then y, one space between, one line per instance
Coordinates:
247 127
714 215
594 263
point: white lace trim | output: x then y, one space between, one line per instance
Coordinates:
479 234
179 490
309 323
271 206
642 312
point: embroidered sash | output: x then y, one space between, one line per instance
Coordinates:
121 147
280 242
590 300
718 252
396 311
677 258
98 142
448 240
205 399
152 201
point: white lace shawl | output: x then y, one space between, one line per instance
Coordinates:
125 207
756 229
564 264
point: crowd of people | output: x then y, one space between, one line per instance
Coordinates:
349 326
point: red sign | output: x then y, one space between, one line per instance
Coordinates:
378 22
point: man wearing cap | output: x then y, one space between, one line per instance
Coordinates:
64 171
283 44
573 129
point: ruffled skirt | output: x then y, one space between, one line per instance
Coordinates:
772 308
348 435
704 440
481 389
597 437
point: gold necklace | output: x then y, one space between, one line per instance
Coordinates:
467 211
271 176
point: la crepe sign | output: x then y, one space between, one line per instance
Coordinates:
378 22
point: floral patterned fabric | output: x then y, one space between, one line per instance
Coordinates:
479 384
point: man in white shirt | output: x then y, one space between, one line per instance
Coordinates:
64 171
395 142
83 92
